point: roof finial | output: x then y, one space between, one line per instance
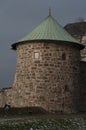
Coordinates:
49 11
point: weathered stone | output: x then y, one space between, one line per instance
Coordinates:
46 76
51 81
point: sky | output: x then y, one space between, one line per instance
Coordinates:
19 17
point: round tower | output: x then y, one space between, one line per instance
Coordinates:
47 72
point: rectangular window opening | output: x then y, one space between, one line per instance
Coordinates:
36 55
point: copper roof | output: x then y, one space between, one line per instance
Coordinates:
48 29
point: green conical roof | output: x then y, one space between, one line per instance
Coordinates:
48 29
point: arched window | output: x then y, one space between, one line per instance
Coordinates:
63 56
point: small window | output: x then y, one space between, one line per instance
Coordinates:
63 56
36 55
66 88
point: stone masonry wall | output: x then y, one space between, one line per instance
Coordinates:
5 96
2 98
47 75
82 106
83 41
83 52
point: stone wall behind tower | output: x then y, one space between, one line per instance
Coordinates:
5 96
47 75
82 106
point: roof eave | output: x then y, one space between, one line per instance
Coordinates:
14 46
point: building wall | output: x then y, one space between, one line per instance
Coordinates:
2 98
83 52
82 106
47 75
83 41
5 96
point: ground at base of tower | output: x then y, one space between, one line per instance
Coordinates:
6 117
44 122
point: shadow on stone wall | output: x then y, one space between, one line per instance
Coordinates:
82 105
22 111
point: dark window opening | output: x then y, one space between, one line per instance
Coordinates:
66 88
63 56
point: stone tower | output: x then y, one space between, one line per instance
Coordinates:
48 69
